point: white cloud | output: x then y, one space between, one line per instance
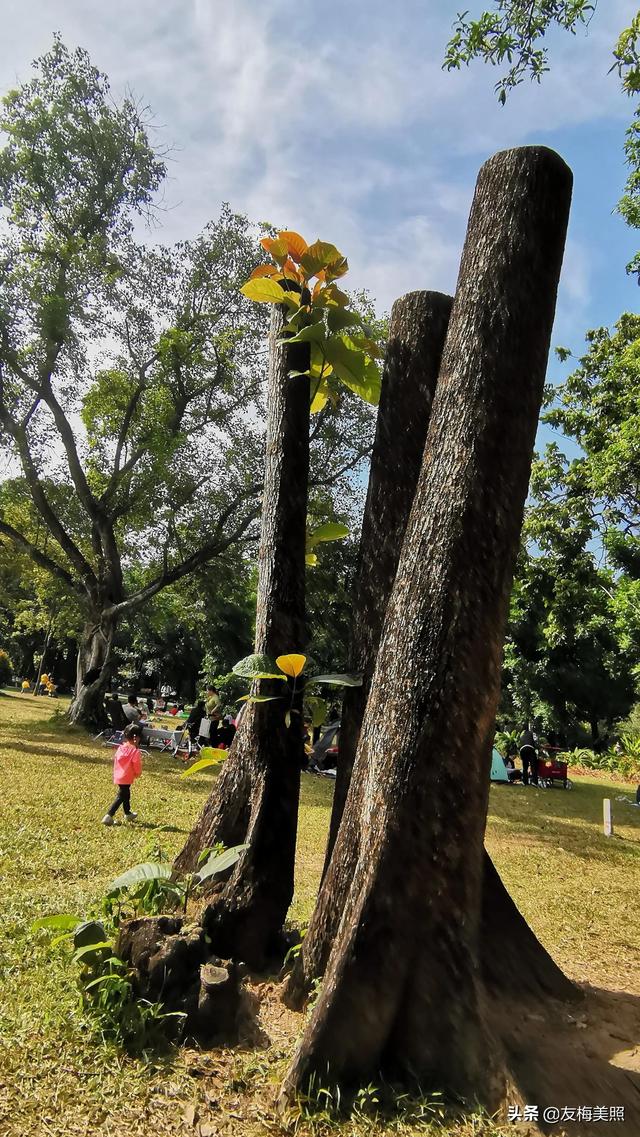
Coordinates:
336 119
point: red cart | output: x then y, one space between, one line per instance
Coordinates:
552 769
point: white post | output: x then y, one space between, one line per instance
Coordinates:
608 820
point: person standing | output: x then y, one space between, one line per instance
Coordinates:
127 766
213 707
529 756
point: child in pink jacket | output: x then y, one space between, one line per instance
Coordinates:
127 766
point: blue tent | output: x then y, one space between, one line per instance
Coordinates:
498 768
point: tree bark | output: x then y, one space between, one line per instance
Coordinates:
255 799
417 333
94 650
402 992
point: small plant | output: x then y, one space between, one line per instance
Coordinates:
291 668
6 668
506 742
106 982
342 349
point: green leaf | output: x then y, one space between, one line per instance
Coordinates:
340 318
89 933
291 299
330 531
112 979
354 369
337 680
320 255
205 763
62 922
311 333
153 870
219 862
319 709
320 367
257 667
93 953
261 698
320 394
264 290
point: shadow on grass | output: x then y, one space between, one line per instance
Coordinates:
53 752
583 1055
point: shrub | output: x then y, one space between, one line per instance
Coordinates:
6 668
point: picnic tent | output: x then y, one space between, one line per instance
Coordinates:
498 768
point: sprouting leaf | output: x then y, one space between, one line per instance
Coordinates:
290 271
214 758
338 680
320 255
296 245
153 870
311 559
264 291
218 862
264 270
329 531
292 665
277 248
63 922
337 269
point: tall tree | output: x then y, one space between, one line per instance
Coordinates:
401 992
318 347
416 338
119 365
256 798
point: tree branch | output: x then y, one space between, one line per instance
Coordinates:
39 557
55 526
200 557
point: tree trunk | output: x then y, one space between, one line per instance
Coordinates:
402 993
255 799
94 651
416 338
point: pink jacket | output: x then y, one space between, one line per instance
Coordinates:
127 764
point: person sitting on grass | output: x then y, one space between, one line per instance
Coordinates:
132 710
127 766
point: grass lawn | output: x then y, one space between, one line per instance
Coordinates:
578 890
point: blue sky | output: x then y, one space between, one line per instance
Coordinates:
336 119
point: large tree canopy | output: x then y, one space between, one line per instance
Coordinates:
130 376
